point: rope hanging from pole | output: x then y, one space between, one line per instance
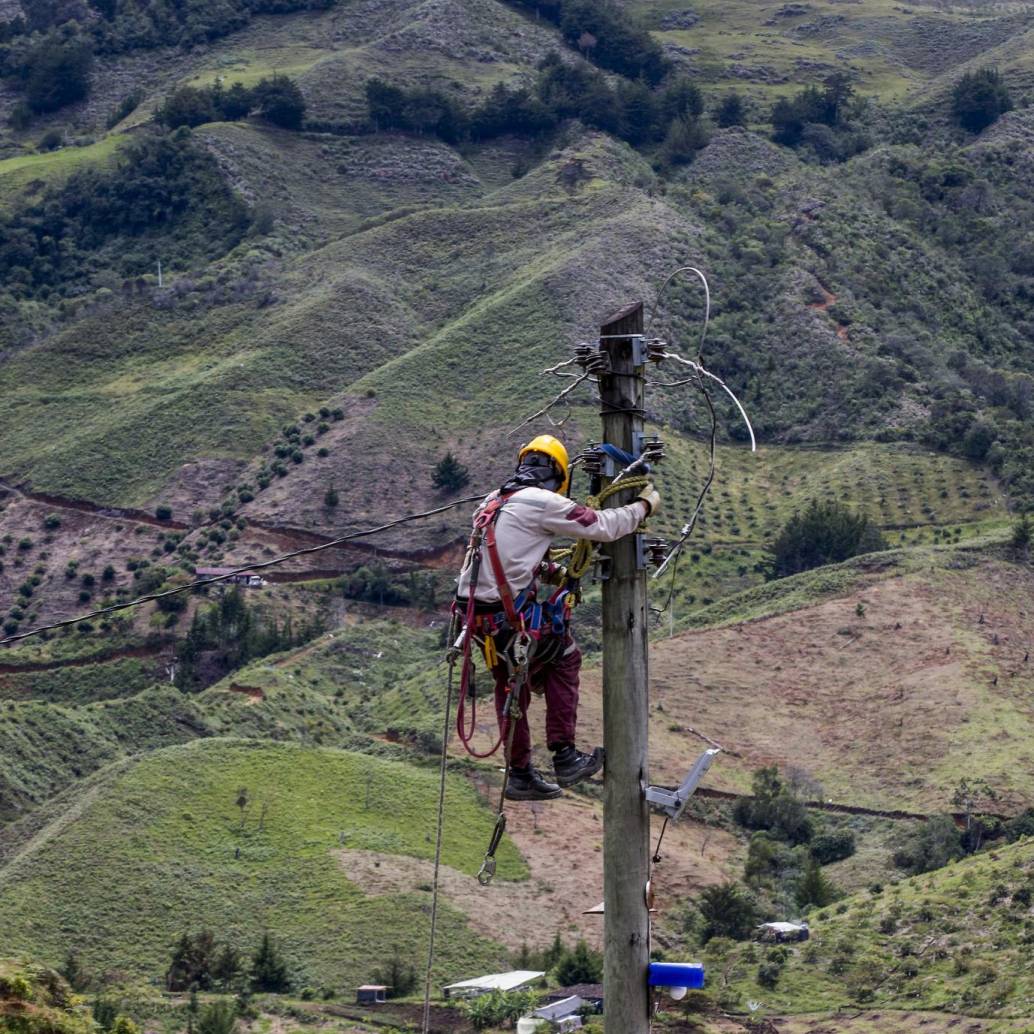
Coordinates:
442 771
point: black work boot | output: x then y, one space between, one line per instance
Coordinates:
572 766
527 784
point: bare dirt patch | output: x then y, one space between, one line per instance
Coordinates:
887 709
562 844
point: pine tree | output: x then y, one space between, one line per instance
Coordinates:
227 967
815 888
450 475
554 953
268 969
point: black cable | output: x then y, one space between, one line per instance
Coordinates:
239 570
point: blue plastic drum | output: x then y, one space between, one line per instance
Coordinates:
677 974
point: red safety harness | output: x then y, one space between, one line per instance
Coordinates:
484 535
523 633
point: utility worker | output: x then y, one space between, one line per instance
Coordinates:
534 509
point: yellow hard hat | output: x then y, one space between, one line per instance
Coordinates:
554 449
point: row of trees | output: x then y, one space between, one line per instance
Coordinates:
605 34
201 963
49 55
669 115
277 100
230 633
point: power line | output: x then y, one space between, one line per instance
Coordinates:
240 570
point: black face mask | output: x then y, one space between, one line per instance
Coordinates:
536 471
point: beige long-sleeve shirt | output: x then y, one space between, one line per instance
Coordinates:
526 526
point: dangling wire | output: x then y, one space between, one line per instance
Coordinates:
707 305
700 376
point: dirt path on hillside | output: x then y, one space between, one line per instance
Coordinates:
562 843
828 299
115 513
150 650
299 538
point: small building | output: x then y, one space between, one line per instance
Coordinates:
250 581
563 1015
590 994
780 933
511 981
371 994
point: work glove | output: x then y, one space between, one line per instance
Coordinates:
652 498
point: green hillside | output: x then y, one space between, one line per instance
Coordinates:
248 302
956 940
178 854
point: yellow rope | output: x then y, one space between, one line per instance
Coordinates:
581 554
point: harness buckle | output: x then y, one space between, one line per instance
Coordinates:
522 649
487 871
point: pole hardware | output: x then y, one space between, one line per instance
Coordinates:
642 556
638 343
672 802
648 447
657 551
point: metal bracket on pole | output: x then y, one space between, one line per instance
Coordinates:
673 802
642 555
640 350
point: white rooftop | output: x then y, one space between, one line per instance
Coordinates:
783 927
497 981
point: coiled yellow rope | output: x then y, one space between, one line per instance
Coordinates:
579 557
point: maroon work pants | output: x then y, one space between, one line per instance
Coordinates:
559 682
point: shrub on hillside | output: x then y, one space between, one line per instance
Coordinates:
979 99
727 910
730 111
826 533
579 966
57 73
218 1017
280 101
832 847
1022 532
774 807
934 844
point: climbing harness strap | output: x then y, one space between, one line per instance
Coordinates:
505 596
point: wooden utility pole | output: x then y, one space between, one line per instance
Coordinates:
626 821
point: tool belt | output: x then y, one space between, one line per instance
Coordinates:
545 622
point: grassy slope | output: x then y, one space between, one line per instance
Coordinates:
891 50
953 940
168 831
